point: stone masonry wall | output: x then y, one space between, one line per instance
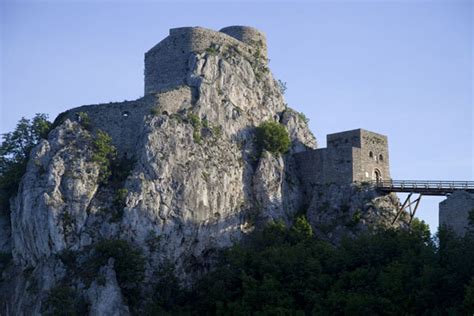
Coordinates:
351 156
121 120
454 211
379 160
166 64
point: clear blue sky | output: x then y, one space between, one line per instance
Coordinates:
402 68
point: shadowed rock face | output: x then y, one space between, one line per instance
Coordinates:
198 181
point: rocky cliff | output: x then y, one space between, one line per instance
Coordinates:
194 181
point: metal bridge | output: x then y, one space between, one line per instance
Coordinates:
441 188
424 187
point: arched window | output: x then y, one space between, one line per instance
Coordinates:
380 157
371 154
125 114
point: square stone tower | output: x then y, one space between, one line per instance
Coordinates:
351 156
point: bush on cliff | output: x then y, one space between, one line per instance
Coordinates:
273 137
104 153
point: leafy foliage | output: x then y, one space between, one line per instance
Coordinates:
84 120
197 125
303 117
104 153
281 86
273 137
284 271
14 152
64 301
129 266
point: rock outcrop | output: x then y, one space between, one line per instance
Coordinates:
196 182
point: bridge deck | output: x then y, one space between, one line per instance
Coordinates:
424 187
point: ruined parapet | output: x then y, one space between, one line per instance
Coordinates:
166 64
455 210
248 35
351 156
121 120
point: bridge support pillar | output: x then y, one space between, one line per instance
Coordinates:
410 205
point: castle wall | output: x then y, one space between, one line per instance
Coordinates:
121 120
166 64
454 211
325 166
346 159
377 145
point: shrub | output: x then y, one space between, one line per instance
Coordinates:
273 137
155 111
84 120
104 153
196 123
303 117
64 301
281 86
129 266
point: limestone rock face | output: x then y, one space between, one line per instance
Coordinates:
336 211
50 209
106 299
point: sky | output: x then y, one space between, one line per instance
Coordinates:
400 68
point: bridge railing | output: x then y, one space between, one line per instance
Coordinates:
424 184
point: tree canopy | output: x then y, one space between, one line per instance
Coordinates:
285 271
14 152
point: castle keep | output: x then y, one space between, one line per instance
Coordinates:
351 156
167 63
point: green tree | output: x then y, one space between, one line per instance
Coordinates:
273 137
129 265
14 152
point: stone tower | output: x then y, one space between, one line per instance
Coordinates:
351 156
167 63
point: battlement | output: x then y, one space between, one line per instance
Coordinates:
351 156
166 64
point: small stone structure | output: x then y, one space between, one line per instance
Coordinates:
351 156
454 211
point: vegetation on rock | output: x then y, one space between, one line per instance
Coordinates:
104 153
129 266
15 151
273 137
64 300
285 271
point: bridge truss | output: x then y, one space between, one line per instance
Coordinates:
416 189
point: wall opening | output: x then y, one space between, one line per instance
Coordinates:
125 114
380 157
371 154
377 175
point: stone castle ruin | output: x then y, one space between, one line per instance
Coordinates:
351 156
194 180
167 63
167 66
355 156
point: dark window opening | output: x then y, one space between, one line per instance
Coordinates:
125 114
377 175
371 154
380 157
